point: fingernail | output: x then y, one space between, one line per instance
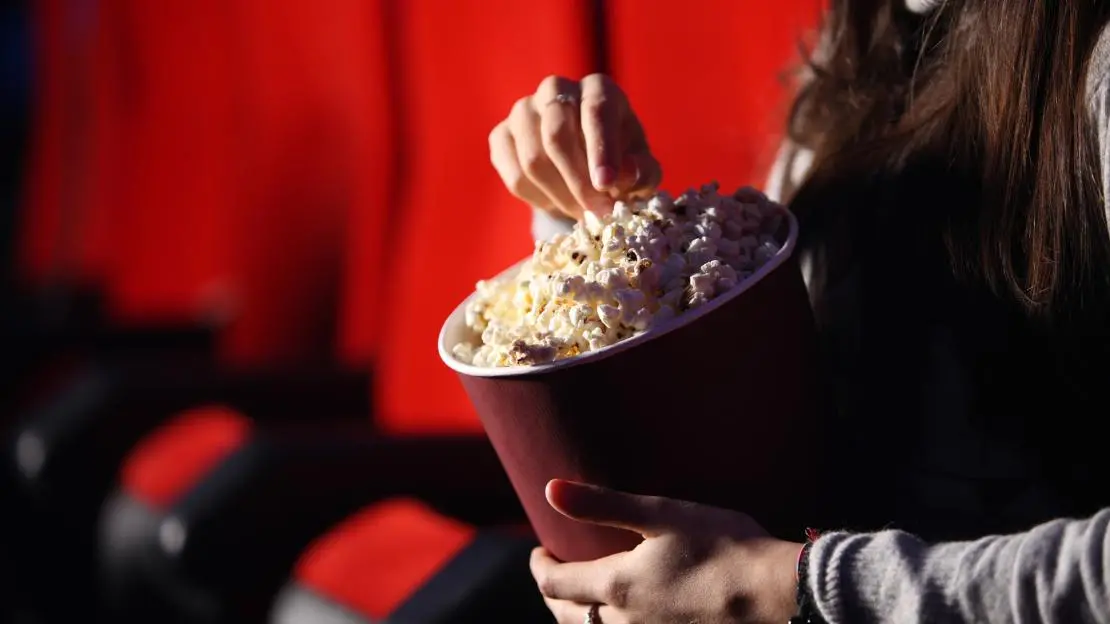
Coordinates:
604 177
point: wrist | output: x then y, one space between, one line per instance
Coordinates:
784 562
807 612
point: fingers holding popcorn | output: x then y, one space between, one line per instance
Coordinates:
574 146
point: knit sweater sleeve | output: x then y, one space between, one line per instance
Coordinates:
1055 573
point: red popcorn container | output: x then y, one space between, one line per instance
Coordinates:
716 406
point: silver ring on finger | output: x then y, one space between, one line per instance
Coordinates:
593 615
564 98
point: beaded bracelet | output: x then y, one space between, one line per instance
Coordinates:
807 609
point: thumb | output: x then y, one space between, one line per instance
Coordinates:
646 515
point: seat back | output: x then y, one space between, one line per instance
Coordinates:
314 150
55 207
710 92
317 156
462 65
374 196
226 161
176 124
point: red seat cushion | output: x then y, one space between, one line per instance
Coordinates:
177 454
377 558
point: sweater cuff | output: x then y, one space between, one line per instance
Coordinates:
831 559
889 576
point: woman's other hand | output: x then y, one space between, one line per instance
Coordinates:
572 146
696 564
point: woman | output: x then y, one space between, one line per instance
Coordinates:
948 163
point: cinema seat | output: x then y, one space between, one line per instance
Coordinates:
224 176
450 221
315 159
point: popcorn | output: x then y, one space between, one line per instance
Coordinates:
618 275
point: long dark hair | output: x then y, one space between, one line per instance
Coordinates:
995 92
956 155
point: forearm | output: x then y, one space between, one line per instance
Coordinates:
1056 572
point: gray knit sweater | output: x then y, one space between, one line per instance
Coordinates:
1057 572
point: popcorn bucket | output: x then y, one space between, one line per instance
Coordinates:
717 406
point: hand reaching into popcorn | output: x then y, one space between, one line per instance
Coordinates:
573 146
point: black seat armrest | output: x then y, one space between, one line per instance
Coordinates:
243 527
72 444
488 581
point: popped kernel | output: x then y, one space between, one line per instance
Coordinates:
618 275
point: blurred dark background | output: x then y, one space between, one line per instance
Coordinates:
229 232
